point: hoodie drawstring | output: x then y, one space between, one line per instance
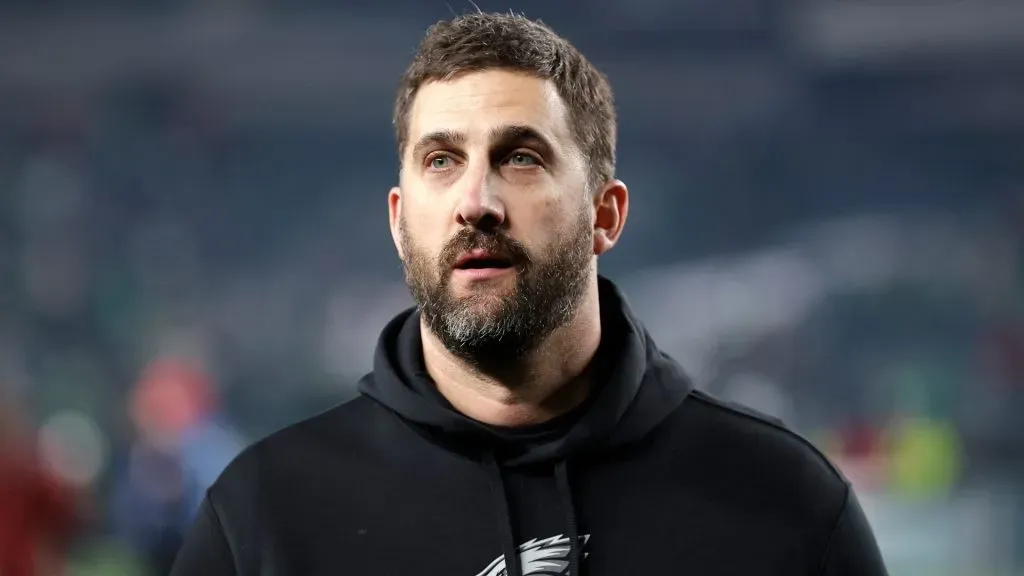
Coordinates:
508 539
565 491
513 563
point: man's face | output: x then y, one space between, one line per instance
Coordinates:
493 220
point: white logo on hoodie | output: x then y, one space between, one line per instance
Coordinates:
547 557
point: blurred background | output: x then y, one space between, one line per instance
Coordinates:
827 225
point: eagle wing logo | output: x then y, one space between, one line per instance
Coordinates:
547 557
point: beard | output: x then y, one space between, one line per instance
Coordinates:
495 328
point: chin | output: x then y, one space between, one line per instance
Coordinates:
502 286
483 302
477 316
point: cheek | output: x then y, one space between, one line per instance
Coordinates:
541 225
425 225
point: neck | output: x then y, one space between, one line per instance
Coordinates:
551 381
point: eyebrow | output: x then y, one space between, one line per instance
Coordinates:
441 138
506 137
501 137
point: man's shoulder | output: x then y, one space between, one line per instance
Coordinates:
748 449
740 466
744 432
340 431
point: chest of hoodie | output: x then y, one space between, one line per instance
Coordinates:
445 516
445 520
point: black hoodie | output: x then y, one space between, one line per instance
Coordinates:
647 476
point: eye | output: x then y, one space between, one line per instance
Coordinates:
439 162
523 160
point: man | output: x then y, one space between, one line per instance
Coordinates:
520 420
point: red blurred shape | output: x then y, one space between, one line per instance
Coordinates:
37 512
170 396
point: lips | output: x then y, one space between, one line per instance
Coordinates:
482 259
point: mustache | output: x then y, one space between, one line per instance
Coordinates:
496 243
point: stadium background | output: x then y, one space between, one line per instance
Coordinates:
828 225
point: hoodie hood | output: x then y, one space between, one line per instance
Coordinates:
641 387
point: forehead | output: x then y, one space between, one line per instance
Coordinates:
474 104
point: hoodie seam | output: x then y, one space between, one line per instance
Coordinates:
215 516
826 555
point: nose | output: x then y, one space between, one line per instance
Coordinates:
480 205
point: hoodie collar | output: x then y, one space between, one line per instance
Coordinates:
642 387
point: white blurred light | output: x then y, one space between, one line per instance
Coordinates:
73 446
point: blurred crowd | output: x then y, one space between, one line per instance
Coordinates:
188 262
49 478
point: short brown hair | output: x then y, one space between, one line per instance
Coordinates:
479 41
